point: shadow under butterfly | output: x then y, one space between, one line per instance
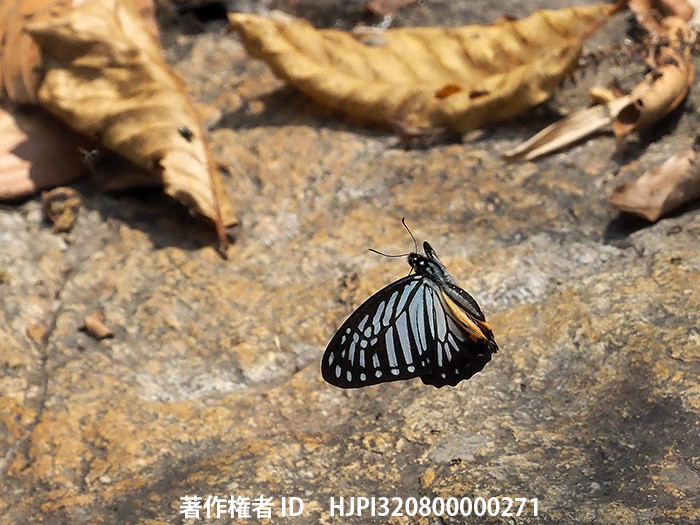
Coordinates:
422 325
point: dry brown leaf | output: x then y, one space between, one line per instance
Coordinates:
107 79
568 130
21 67
661 189
36 152
664 87
501 70
94 325
20 58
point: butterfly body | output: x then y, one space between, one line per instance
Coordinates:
423 325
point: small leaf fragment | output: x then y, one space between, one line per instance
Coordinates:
661 189
95 325
501 70
568 130
60 207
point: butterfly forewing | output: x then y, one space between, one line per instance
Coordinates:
385 339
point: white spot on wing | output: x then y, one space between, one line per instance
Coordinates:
338 370
362 358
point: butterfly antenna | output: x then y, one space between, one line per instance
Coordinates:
415 243
387 255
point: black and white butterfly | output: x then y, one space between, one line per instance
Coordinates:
423 325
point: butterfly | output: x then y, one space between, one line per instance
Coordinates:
422 325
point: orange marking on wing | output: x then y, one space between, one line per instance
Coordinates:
459 315
484 326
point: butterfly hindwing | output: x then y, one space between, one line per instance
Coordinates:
458 355
386 339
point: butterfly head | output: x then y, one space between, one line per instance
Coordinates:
417 261
428 265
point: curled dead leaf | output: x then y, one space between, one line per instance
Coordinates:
60 207
106 77
510 66
664 88
661 189
95 325
649 13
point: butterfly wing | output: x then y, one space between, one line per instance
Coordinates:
463 341
387 338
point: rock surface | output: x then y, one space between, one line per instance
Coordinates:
211 383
